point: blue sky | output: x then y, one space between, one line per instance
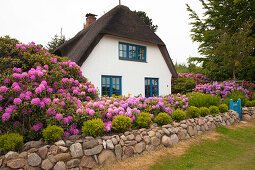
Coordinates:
38 21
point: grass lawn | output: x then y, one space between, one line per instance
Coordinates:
235 149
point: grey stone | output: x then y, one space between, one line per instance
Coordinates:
34 160
166 141
118 152
62 157
52 159
93 151
138 138
190 131
130 137
23 155
73 163
158 135
104 144
140 147
151 133
69 143
109 144
127 133
147 139
114 141
11 155
76 150
155 141
46 164
43 152
166 131
62 149
60 166
53 149
16 163
33 144
87 162
123 137
128 151
246 117
184 126
174 139
106 156
60 143
130 143
90 144
202 128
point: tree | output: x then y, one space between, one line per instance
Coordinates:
223 21
55 42
146 20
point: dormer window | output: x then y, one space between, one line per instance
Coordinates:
132 52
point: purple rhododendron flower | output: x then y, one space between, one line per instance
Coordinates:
38 126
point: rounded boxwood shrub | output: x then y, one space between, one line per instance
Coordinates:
11 142
204 111
193 112
178 115
223 108
163 118
144 120
214 110
52 133
121 123
94 127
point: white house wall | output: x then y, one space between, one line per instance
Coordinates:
104 60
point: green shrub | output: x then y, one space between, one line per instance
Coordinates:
163 118
193 112
214 110
94 127
144 120
204 100
250 103
204 111
178 115
235 96
11 142
183 85
121 123
52 133
223 108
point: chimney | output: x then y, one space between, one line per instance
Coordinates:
90 18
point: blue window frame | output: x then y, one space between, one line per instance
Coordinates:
132 52
111 85
151 87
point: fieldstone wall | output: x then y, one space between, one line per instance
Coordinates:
80 152
248 113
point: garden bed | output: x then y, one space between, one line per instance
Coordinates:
88 152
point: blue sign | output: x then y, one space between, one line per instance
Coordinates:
236 106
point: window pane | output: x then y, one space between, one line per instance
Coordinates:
108 80
113 81
117 87
117 80
103 80
141 53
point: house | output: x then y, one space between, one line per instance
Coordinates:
120 55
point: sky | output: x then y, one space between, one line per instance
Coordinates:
40 20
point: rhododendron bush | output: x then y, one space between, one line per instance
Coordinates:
38 88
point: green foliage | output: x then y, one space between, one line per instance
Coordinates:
214 110
94 127
250 103
52 133
223 108
204 100
183 85
8 47
163 118
226 37
11 142
204 111
193 112
55 42
143 121
190 68
235 96
143 16
121 123
178 115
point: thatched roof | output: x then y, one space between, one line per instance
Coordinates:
121 22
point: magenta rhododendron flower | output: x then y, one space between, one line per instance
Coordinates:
38 126
5 117
3 89
59 116
17 101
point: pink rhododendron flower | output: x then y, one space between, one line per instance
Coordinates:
38 126
5 117
3 89
59 116
17 101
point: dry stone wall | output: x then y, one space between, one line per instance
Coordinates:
80 152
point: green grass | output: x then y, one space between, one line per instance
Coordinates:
234 150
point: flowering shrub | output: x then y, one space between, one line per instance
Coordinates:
38 89
199 78
251 88
220 89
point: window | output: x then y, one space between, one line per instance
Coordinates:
111 85
132 52
151 87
